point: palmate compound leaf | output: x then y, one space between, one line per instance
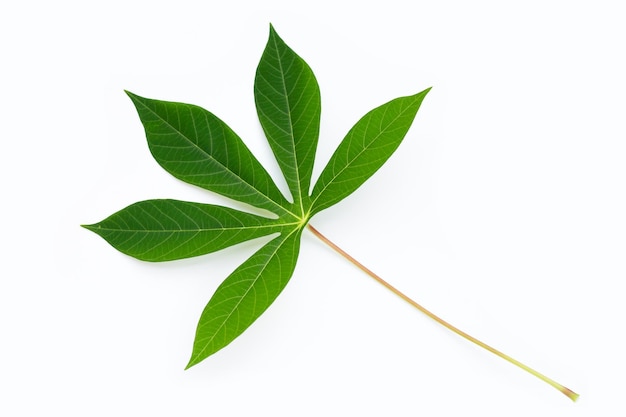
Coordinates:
195 146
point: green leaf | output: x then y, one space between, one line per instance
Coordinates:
245 295
165 230
195 146
288 104
366 147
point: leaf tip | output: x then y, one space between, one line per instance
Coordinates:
191 363
131 95
273 33
424 92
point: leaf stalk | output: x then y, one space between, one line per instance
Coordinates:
564 390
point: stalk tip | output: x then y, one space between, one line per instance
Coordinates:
570 394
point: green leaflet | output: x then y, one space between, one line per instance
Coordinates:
165 230
195 146
288 103
366 147
245 295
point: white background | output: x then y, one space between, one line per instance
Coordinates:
503 211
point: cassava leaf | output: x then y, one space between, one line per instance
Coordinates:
246 294
366 147
165 230
288 104
195 146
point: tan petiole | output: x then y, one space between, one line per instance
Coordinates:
566 391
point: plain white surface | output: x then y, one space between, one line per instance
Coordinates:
503 211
